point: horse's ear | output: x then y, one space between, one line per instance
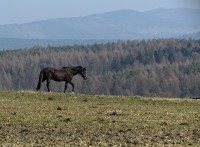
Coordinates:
84 69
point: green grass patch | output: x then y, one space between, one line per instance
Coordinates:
102 114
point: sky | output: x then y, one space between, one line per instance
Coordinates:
22 11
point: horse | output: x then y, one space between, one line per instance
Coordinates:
64 74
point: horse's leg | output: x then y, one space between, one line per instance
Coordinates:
72 86
65 86
48 83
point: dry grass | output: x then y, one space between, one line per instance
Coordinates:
48 119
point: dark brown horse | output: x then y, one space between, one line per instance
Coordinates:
64 74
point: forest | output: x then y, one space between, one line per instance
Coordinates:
156 67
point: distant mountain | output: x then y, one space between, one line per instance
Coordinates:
121 24
195 36
18 43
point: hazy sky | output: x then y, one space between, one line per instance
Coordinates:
20 11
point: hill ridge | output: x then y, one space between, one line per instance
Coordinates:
119 24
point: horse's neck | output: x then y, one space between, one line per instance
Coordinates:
75 71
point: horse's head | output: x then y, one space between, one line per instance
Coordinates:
83 73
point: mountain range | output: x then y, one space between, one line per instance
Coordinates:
120 24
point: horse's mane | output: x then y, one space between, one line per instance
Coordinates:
72 68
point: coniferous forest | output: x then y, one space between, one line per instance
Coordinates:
157 67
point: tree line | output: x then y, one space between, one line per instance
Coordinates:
156 67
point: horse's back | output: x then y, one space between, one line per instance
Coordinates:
47 68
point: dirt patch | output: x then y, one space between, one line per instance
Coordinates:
50 119
22 135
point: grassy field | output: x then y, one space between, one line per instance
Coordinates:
56 119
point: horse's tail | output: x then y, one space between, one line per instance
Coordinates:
40 81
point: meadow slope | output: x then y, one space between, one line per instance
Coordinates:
47 119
